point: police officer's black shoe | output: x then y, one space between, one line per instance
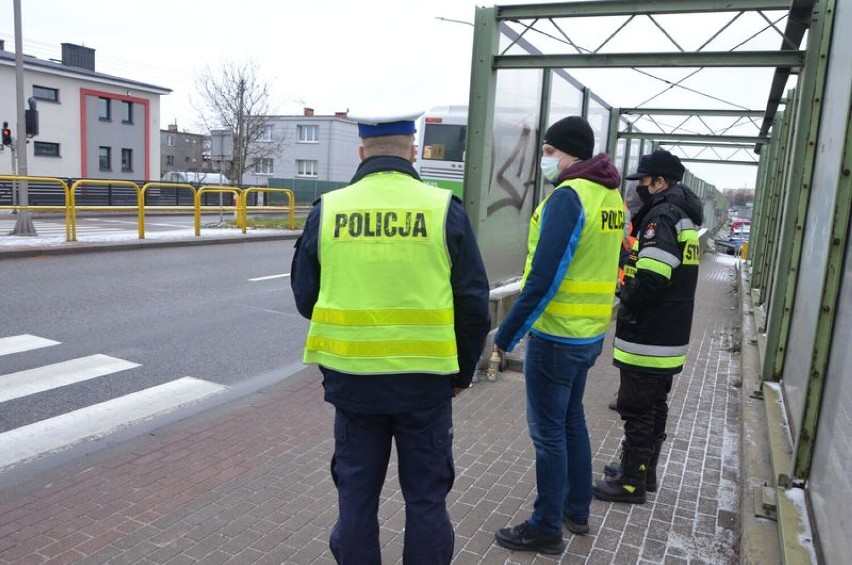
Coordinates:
619 489
526 537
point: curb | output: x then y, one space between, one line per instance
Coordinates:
74 247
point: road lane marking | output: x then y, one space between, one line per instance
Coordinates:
99 420
24 383
25 342
256 279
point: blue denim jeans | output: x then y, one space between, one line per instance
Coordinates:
555 376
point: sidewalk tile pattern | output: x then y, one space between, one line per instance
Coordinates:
252 485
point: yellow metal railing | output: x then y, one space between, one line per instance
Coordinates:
240 205
220 190
69 220
244 207
98 182
176 208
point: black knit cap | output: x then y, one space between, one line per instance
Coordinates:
572 135
660 163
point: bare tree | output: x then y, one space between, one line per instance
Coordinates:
235 97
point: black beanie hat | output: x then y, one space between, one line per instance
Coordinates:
572 135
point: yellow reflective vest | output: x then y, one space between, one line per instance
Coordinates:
385 302
582 307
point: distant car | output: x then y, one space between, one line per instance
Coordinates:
196 178
734 242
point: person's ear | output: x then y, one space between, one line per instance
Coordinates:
362 153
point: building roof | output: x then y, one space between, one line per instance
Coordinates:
7 57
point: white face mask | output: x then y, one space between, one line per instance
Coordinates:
550 167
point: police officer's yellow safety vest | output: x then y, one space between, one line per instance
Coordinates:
582 307
385 303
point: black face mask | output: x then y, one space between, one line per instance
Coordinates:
643 190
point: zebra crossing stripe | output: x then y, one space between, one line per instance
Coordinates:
21 343
99 420
24 383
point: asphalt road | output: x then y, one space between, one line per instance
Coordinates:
176 312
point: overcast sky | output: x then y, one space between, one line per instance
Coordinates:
330 55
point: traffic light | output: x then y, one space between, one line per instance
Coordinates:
31 122
7 134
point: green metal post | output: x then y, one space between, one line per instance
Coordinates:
480 117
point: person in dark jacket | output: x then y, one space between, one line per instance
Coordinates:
654 321
565 308
389 273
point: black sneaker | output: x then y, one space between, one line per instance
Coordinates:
578 526
526 537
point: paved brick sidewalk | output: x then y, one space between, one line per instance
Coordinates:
249 483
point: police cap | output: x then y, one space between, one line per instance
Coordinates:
660 163
375 124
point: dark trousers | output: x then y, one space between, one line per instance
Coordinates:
424 445
642 404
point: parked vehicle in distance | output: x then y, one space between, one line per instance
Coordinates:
734 242
196 178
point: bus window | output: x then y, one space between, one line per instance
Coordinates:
444 142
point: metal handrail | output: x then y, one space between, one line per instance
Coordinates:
291 204
70 222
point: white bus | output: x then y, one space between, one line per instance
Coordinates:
441 152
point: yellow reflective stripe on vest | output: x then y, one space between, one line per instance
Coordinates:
393 348
584 310
586 287
383 317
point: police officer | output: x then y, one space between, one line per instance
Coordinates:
565 306
654 321
388 271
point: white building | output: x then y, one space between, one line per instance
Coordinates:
317 153
91 125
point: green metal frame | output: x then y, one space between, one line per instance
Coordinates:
809 95
821 31
480 117
631 7
628 60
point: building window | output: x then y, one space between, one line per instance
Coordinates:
170 140
306 168
45 93
265 133
45 149
104 109
308 134
263 167
126 112
126 160
104 158
170 159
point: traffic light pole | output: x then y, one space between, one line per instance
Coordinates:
24 224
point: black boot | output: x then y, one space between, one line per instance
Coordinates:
613 469
630 486
651 475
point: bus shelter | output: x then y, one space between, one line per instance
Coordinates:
760 86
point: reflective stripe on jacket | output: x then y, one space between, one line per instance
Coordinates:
582 306
385 303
